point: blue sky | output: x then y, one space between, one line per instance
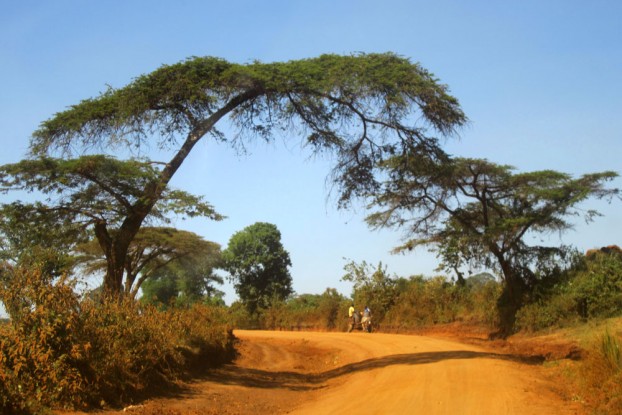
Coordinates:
541 82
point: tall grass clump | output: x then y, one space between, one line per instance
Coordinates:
610 350
600 375
62 351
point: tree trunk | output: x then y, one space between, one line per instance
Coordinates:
116 248
511 299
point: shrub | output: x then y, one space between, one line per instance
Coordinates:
204 334
597 285
41 352
131 350
482 299
556 311
61 351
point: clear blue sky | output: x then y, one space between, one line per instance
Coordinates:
540 80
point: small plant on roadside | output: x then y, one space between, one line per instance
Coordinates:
599 376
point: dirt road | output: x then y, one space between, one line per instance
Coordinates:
397 374
305 373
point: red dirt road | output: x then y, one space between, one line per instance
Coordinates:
306 373
398 374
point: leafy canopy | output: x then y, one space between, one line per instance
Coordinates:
364 107
152 249
95 189
477 206
258 265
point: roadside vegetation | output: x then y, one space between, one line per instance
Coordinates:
61 350
580 302
64 350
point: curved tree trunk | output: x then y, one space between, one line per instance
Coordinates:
116 247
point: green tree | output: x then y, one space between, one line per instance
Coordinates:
373 287
258 266
151 249
183 284
477 212
362 108
94 194
33 239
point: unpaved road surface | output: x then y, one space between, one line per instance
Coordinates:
398 374
358 373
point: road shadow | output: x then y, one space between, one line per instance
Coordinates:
257 378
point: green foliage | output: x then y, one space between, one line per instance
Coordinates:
597 286
47 245
96 196
378 94
65 352
162 288
96 188
326 311
155 248
483 294
321 92
556 311
258 266
425 302
590 289
331 310
373 287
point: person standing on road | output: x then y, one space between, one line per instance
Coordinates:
366 318
351 314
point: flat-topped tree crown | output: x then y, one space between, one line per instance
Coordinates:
362 108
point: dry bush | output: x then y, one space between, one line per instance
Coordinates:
41 352
131 350
204 334
60 351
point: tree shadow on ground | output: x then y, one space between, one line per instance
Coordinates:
256 378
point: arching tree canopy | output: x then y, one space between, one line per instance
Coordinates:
361 108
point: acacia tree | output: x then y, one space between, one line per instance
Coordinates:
152 249
31 239
477 212
258 264
186 281
90 194
362 108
